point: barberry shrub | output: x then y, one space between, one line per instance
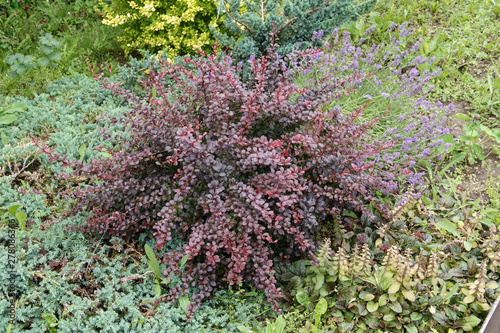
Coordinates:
250 22
244 172
176 26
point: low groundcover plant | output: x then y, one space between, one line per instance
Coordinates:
246 171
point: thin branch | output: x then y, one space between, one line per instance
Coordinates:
310 11
237 21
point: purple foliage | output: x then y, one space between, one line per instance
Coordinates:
246 171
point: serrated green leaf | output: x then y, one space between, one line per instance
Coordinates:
45 49
55 56
43 61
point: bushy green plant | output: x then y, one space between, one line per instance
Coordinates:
250 22
399 280
177 26
48 55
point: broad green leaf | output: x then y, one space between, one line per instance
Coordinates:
411 329
375 17
468 299
4 138
492 285
462 116
13 209
49 318
425 46
184 302
7 119
415 316
389 317
153 263
394 288
45 49
385 283
448 226
486 129
409 295
320 279
395 306
243 329
157 289
372 306
21 217
497 83
452 292
82 150
302 298
368 297
442 319
382 300
450 313
16 107
183 261
321 307
471 322
279 325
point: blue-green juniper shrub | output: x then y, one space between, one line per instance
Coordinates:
245 172
249 23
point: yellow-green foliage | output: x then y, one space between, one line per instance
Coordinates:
174 25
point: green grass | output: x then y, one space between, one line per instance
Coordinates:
75 24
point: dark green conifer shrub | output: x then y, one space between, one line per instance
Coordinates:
250 22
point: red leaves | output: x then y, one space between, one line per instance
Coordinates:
243 172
